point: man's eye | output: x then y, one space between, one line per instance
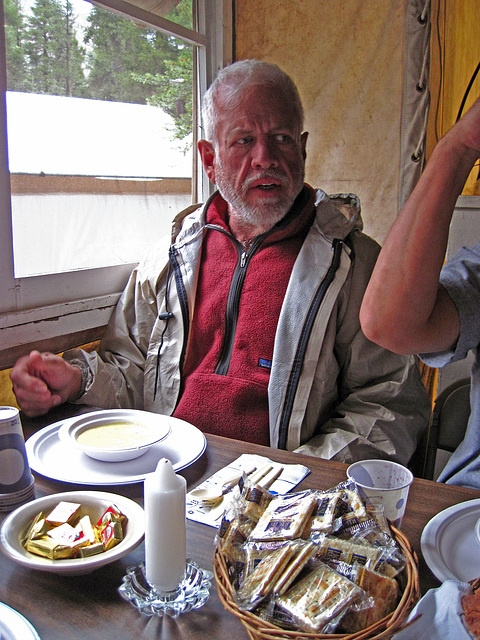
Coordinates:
245 140
282 137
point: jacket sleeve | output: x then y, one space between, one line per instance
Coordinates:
378 404
117 369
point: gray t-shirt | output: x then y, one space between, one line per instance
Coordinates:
461 278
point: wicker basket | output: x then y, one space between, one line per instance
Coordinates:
259 629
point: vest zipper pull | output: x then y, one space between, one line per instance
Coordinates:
243 259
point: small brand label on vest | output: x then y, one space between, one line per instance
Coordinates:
265 364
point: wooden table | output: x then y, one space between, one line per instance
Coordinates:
89 607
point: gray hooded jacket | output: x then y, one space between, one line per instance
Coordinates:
332 392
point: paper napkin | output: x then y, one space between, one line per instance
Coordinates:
292 474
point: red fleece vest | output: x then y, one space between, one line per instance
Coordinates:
235 405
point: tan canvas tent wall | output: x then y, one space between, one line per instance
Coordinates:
362 70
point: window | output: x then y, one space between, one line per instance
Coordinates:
97 162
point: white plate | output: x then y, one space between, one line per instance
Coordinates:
13 626
54 459
94 503
477 531
449 543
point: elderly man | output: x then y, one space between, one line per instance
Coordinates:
247 325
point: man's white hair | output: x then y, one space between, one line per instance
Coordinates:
232 82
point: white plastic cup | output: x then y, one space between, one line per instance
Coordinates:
15 475
386 481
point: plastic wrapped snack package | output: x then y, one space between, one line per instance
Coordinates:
382 594
285 517
323 518
383 598
270 569
252 500
313 560
317 602
387 559
232 535
260 581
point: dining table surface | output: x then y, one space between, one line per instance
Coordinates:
89 606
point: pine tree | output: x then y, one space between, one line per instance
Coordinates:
124 63
172 88
131 64
14 44
118 50
54 56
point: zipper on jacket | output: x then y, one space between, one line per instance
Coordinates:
296 370
233 301
182 296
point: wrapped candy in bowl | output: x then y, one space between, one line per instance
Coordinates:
74 532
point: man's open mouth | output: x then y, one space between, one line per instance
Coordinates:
267 187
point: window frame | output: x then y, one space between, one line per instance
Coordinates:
59 311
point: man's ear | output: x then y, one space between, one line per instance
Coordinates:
207 156
303 139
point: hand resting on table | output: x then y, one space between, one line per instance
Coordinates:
42 381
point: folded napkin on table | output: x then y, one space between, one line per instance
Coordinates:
442 616
291 475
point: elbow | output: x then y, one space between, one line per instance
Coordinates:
371 326
386 333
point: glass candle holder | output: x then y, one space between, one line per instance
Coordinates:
192 592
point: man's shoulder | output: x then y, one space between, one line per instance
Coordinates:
362 241
188 213
337 214
364 250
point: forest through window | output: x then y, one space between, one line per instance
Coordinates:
99 122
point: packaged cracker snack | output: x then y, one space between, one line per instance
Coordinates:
285 517
251 499
335 549
232 535
261 578
324 516
383 598
304 552
311 561
319 598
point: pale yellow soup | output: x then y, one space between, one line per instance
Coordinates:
115 435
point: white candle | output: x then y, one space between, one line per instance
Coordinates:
165 527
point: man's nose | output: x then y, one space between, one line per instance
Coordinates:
263 155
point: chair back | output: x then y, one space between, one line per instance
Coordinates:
448 423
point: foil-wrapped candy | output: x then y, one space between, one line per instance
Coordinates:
68 532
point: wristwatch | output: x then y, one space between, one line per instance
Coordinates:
87 376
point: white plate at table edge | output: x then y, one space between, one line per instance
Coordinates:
188 455
435 528
13 622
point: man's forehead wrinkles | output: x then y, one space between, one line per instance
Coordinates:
251 127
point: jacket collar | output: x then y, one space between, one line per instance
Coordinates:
338 214
299 217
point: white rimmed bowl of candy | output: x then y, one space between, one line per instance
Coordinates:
115 435
74 532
